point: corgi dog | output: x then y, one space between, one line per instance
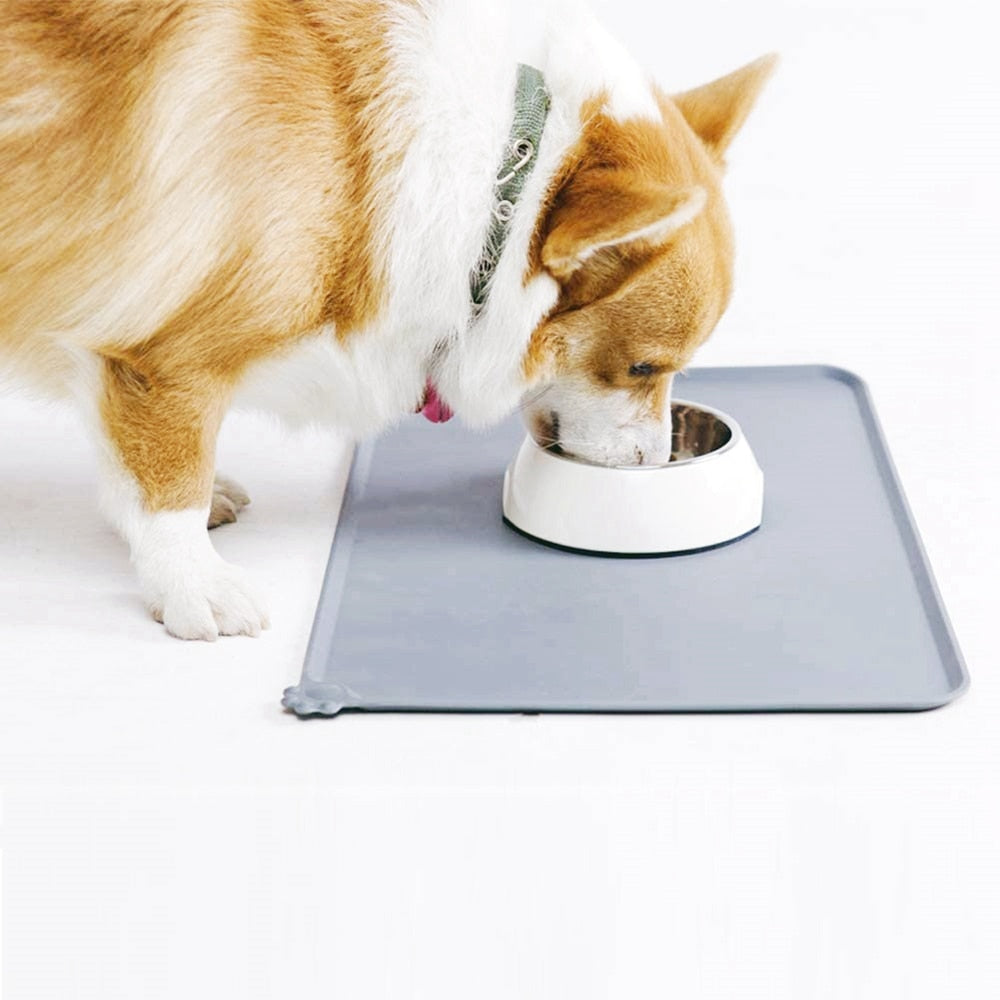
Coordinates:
325 209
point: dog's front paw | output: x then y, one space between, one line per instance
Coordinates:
228 499
213 601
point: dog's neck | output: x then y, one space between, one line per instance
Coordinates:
451 98
530 111
480 371
531 108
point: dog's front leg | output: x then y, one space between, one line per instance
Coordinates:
159 424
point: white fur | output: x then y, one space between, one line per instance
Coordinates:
184 581
186 584
186 211
656 232
452 84
687 211
454 75
609 428
28 110
585 60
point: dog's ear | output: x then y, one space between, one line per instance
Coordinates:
607 207
717 110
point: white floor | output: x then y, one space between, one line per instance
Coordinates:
168 832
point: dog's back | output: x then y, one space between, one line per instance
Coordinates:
180 166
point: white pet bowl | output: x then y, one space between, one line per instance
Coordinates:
711 492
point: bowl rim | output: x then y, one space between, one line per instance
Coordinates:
735 436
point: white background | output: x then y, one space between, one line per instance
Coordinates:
167 832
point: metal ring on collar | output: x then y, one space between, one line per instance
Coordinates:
504 211
524 150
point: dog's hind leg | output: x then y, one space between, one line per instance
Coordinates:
159 422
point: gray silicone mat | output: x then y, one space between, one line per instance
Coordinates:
431 603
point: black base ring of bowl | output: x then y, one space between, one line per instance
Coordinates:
626 555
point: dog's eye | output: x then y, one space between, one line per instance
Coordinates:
645 368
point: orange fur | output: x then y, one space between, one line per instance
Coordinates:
89 93
716 111
192 185
638 301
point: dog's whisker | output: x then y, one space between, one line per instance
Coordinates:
546 441
524 404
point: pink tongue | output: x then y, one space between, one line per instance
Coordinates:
435 409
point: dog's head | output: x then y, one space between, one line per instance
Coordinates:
639 239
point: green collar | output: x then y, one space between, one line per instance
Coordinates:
531 108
